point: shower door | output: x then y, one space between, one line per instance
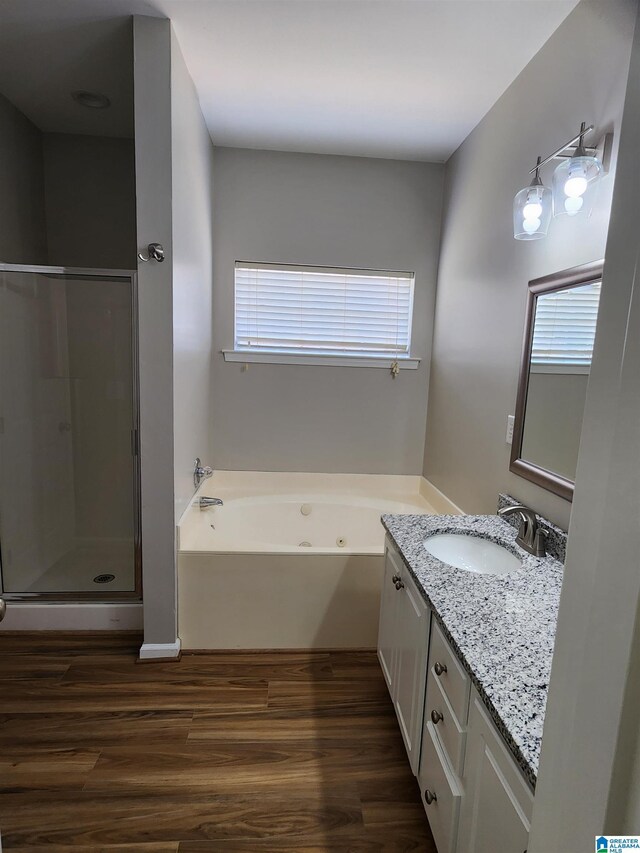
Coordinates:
69 517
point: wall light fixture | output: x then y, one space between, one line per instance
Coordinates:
574 185
573 180
532 209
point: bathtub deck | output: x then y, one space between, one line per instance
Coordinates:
232 753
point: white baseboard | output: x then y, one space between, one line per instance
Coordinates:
152 651
51 616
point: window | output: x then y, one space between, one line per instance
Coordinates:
565 329
322 315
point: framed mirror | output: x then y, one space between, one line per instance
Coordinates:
560 327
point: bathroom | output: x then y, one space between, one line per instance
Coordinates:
200 600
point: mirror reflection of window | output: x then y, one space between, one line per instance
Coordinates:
565 329
561 353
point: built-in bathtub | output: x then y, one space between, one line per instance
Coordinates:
290 561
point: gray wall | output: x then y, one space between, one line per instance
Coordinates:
23 236
192 188
174 159
152 68
339 211
587 784
65 199
90 201
579 75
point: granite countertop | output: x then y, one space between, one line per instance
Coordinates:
502 627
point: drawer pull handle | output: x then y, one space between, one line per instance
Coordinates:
430 797
440 668
399 585
436 716
395 579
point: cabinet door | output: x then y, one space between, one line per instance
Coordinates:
413 617
497 802
440 791
387 630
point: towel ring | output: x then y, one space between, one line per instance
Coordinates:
156 253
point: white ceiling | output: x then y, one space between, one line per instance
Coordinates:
383 78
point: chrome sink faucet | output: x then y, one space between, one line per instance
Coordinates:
530 536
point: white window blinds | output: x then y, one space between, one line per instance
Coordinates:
322 310
565 326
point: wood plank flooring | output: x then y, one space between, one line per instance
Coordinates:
219 753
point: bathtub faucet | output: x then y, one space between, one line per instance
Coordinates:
205 503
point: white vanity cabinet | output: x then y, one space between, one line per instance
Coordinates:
475 796
496 808
403 640
443 741
388 642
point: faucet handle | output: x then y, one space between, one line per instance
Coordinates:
200 472
540 543
524 526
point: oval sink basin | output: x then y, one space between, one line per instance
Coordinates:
472 553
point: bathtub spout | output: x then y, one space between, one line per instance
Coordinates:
205 503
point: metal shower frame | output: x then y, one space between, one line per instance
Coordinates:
99 596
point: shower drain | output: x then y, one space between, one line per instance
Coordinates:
104 578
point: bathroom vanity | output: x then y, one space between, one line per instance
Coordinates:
466 656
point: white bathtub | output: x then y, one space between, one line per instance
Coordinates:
291 561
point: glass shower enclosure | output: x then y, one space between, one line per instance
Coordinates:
69 462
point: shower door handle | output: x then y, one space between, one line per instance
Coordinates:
3 609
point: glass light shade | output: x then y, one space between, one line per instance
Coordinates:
532 212
573 181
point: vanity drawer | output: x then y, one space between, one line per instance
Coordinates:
440 792
440 714
445 668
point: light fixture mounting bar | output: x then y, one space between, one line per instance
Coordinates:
559 151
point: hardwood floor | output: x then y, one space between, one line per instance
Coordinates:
236 753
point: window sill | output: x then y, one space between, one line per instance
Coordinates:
564 369
385 362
